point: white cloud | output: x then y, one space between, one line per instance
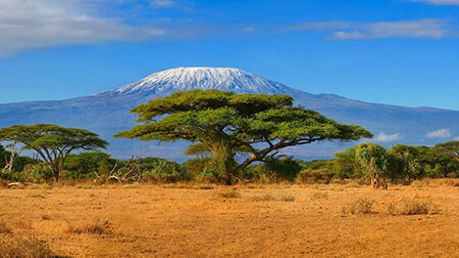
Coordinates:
426 28
456 138
440 133
49 23
382 137
161 3
319 25
438 2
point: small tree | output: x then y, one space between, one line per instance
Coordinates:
52 142
451 148
225 122
404 162
372 161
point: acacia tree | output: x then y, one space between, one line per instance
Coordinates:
225 122
53 143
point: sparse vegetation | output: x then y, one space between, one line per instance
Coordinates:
412 207
4 229
20 247
359 206
319 195
266 197
230 194
97 227
73 221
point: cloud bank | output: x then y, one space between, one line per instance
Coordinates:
382 137
51 23
339 30
440 133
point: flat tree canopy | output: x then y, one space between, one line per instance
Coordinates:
225 122
52 142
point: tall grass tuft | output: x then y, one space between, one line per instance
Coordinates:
359 206
412 207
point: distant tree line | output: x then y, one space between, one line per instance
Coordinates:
235 138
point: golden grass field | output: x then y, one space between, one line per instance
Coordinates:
240 221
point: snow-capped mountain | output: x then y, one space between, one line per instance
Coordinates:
107 112
205 78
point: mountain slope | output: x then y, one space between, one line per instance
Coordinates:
107 112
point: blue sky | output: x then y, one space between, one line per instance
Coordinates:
403 52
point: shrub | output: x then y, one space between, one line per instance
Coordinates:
16 247
270 197
451 175
284 168
209 174
411 207
96 227
359 206
11 176
312 176
197 165
38 173
260 174
319 195
230 194
166 172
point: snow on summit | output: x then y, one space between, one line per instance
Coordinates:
190 78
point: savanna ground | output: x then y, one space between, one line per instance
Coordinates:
241 221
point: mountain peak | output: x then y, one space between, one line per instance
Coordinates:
205 78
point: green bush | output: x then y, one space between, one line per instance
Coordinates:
273 170
11 176
166 172
312 176
38 173
197 166
83 165
284 168
259 173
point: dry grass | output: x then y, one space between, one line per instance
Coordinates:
184 221
359 206
267 197
4 229
97 227
18 247
230 194
319 195
412 207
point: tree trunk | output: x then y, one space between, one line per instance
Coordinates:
226 164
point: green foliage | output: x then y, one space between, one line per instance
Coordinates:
372 161
225 122
284 168
313 176
39 173
272 170
345 164
197 165
259 173
52 142
404 163
3 154
166 172
451 148
83 165
11 176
